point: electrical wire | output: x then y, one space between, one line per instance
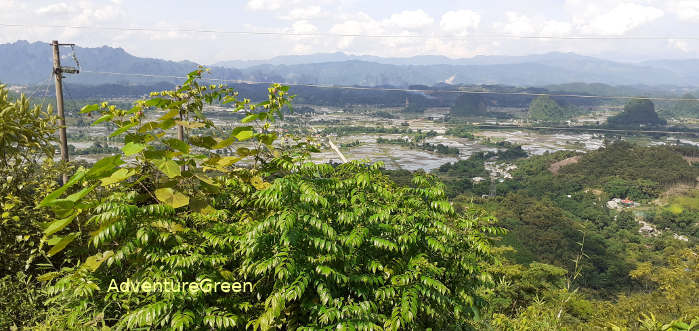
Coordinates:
359 35
367 88
71 99
39 85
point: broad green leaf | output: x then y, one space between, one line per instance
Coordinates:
267 139
224 143
75 197
137 138
198 205
104 167
243 151
149 126
171 197
169 115
250 118
156 102
205 142
94 262
89 108
132 148
58 225
102 118
118 176
177 144
55 194
135 109
60 204
240 133
244 135
54 240
206 179
151 154
476 313
122 129
62 244
167 124
168 167
227 161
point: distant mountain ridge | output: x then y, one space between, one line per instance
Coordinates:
412 60
30 63
27 63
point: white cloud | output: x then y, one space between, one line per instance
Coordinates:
518 24
11 8
459 21
84 12
537 18
265 4
686 10
451 48
409 19
303 27
304 13
60 8
556 28
682 45
361 23
621 19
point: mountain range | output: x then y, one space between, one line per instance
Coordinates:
25 63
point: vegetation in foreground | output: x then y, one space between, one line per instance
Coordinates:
325 247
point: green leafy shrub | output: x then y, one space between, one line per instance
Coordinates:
323 247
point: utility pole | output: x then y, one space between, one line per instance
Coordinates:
337 150
58 75
180 128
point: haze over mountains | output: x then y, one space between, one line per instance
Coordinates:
27 63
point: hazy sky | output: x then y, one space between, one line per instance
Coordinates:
478 24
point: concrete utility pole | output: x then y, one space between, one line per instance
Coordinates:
180 128
58 75
337 150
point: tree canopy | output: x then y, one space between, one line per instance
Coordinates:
469 104
322 246
637 112
544 108
685 108
264 239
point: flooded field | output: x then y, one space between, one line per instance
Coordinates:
364 146
537 143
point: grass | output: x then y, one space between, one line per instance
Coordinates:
680 203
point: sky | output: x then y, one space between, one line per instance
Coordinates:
453 28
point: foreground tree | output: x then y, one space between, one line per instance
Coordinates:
26 174
324 247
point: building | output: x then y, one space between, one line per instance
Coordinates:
627 203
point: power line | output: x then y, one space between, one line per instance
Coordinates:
38 86
327 34
76 109
387 89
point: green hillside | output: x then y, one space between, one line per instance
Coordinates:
262 238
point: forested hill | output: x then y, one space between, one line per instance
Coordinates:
303 245
29 63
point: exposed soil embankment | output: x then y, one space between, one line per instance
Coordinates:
558 165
